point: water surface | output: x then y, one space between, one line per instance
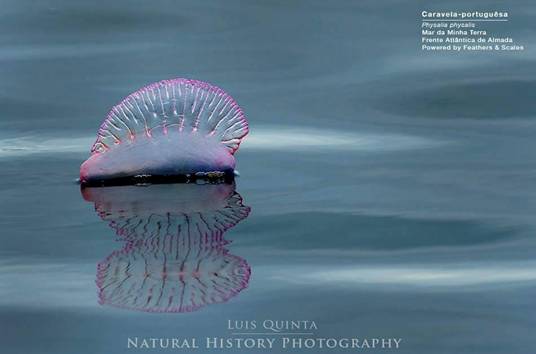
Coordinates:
391 191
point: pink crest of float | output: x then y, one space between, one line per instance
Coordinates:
179 105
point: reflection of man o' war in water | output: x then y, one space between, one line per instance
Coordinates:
174 259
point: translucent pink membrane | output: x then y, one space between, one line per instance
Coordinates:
169 128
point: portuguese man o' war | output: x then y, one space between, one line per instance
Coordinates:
174 257
164 131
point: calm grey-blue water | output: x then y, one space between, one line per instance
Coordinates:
386 192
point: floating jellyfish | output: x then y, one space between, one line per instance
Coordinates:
167 131
174 258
